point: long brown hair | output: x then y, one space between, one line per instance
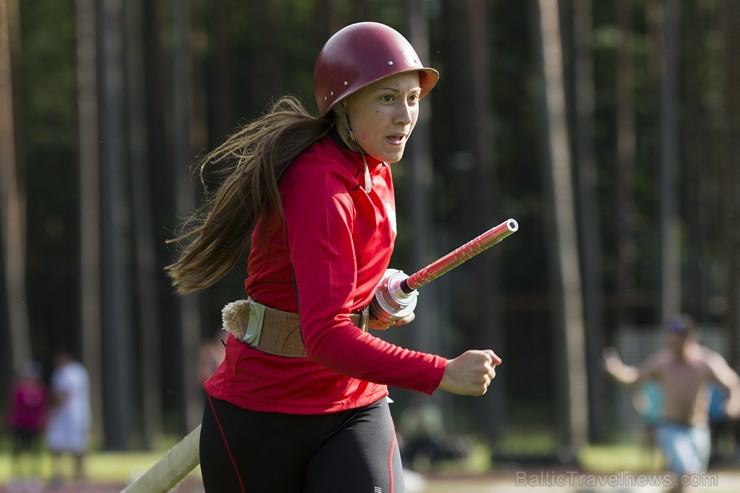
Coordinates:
212 239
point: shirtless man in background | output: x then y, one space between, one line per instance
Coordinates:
684 369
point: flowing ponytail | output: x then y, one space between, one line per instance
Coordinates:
212 239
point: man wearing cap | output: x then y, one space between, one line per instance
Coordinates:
684 370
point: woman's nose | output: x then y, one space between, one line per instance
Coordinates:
404 114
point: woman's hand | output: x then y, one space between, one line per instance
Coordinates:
470 373
375 324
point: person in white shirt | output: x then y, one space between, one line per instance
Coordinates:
69 418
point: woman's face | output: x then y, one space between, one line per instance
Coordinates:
383 114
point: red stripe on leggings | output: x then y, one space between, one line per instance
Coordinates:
390 459
226 444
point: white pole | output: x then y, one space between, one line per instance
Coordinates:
177 463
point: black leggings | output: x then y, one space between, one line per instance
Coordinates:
243 451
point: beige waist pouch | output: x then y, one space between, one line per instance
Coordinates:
270 330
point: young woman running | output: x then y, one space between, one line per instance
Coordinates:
299 403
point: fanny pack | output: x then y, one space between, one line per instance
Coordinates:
271 330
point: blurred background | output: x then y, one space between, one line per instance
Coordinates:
609 130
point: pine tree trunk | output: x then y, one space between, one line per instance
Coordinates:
490 332
116 235
731 177
572 392
89 171
670 246
149 395
188 339
589 213
623 178
419 159
12 198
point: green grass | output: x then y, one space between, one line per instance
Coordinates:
620 457
102 466
106 466
629 456
592 458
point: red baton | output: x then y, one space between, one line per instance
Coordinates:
395 296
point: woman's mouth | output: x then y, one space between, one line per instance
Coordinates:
396 139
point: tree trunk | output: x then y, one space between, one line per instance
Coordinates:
563 245
623 178
90 301
267 66
149 385
117 308
670 246
420 161
489 330
188 338
588 206
12 198
731 177
221 97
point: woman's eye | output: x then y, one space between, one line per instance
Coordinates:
389 98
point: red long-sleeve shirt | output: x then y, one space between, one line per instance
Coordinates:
338 244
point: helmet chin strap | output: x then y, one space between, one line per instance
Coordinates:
350 137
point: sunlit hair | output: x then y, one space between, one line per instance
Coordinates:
252 160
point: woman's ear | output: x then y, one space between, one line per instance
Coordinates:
344 127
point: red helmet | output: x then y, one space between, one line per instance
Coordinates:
360 54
